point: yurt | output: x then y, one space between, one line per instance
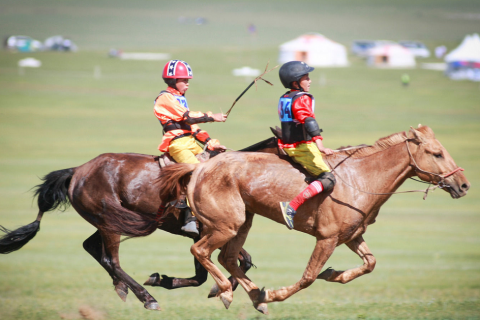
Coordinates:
315 50
390 56
464 61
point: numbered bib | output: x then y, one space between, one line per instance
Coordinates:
285 109
183 101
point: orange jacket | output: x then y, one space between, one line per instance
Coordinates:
169 110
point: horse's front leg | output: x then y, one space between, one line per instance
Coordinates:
201 275
323 250
359 246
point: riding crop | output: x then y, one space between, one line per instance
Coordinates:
251 84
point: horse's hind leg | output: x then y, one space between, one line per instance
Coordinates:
359 246
245 261
94 246
323 249
245 264
202 250
110 260
228 259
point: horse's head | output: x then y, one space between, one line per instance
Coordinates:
432 162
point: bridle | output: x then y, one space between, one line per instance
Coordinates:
441 184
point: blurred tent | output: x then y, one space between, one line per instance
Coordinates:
314 49
390 56
246 72
464 61
30 63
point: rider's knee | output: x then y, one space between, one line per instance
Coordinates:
328 180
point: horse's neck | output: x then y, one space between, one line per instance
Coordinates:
382 172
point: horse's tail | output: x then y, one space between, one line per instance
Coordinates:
52 193
174 179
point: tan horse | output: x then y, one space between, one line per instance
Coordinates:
226 191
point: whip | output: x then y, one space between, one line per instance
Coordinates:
251 84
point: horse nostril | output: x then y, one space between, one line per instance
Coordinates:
465 187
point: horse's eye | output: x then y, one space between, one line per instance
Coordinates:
438 155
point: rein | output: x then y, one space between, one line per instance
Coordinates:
441 184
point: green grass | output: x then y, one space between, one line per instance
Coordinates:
60 116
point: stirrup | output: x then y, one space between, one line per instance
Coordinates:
190 229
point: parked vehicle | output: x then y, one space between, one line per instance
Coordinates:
22 44
361 47
417 48
60 43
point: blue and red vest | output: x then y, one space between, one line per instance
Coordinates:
292 130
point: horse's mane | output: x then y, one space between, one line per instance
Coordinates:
363 150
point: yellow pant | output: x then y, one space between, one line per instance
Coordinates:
184 149
308 155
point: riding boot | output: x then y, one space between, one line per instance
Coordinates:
190 225
289 209
288 214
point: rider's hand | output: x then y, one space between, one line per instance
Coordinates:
327 151
219 148
219 117
320 147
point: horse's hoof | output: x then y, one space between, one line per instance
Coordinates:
152 305
226 299
325 275
262 307
153 279
122 294
214 291
122 291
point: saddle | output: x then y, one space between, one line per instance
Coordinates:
177 207
277 132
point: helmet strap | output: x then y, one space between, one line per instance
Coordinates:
171 82
298 85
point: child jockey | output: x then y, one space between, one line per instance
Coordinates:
180 125
301 138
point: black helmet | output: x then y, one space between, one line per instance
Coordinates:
293 71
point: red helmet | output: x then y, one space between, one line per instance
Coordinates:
177 69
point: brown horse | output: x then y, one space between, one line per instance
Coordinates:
248 183
118 194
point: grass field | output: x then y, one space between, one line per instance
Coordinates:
60 116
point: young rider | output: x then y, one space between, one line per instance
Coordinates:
301 138
180 125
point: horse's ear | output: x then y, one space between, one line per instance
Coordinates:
419 125
414 133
